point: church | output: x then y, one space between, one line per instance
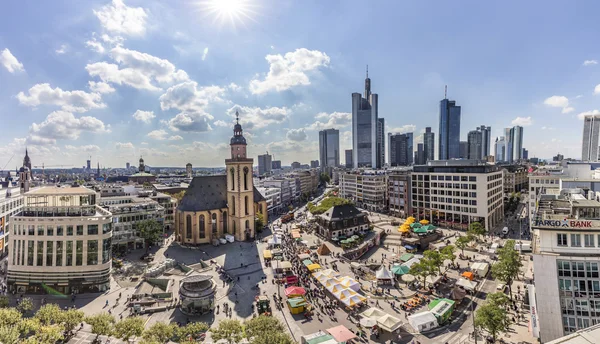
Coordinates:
214 206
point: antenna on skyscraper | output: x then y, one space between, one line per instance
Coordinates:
367 71
446 92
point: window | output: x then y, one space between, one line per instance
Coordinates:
79 253
588 240
564 268
224 219
30 253
202 227
106 228
50 231
575 240
214 223
69 254
232 171
40 230
188 227
232 205
246 204
106 250
92 229
92 252
40 253
245 178
79 229
60 230
562 239
59 253
69 230
31 230
49 252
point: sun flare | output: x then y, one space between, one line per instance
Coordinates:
230 12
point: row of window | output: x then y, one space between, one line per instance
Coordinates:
59 230
450 178
9 206
60 253
141 217
588 240
444 207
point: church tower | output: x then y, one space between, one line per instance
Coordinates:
142 167
240 187
25 174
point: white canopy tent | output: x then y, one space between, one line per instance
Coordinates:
481 268
384 273
274 241
423 321
373 313
465 283
389 323
350 283
354 300
433 280
412 261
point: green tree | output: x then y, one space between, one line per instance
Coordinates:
476 229
159 332
4 301
259 223
463 242
179 196
48 334
150 230
71 318
191 330
324 178
273 338
509 265
491 318
9 334
129 328
9 317
25 305
448 253
423 269
49 314
499 299
102 324
436 259
229 330
28 327
266 330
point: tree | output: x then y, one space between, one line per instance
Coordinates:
129 328
273 338
25 305
324 178
463 242
4 301
499 299
509 265
48 334
230 330
179 196
435 259
191 330
27 327
492 319
102 324
150 230
423 269
476 229
448 253
9 334
49 314
9 317
266 330
159 332
259 222
71 318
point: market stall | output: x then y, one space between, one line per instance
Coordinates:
350 283
323 250
341 334
400 270
468 275
267 254
423 321
480 268
373 313
297 305
406 257
442 309
384 276
274 242
294 291
467 284
313 267
389 323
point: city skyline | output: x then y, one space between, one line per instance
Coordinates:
68 96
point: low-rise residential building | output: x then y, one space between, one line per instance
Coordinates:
455 193
287 189
515 178
273 197
566 262
169 203
367 189
11 202
342 221
308 180
399 200
61 241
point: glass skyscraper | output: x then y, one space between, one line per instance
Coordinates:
368 149
589 145
449 135
429 144
329 148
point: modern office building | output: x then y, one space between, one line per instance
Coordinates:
429 144
264 164
127 166
525 154
420 154
464 150
486 140
349 163
591 131
329 148
401 149
273 197
296 165
368 190
544 180
365 125
475 145
566 262
61 241
455 193
399 186
88 165
287 189
188 170
449 133
276 165
314 164
11 202
500 149
514 144
380 142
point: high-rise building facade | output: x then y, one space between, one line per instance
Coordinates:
276 164
401 149
464 149
89 165
429 144
380 142
264 164
349 155
500 149
449 133
474 145
420 154
517 142
314 164
329 148
525 154
365 128
591 132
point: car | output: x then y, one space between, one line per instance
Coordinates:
501 287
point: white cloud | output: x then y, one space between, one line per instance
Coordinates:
582 115
408 128
522 121
63 125
333 120
175 138
255 117
61 50
72 101
121 19
136 69
234 87
559 102
158 134
590 62
296 134
124 145
100 87
95 45
221 123
10 62
144 143
289 70
547 128
144 116
204 53
597 89
189 123
188 97
86 148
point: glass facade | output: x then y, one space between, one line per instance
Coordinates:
79 253
579 288
449 135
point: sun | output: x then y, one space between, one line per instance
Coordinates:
230 12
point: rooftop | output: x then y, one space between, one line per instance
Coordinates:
588 335
57 190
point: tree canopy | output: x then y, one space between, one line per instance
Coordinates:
509 265
492 318
326 204
151 230
229 330
129 328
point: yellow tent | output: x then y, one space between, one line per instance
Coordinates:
410 219
424 222
267 254
404 229
313 267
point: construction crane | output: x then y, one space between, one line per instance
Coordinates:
9 160
51 166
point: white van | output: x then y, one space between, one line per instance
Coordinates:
505 230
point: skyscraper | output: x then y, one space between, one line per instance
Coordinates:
314 163
525 154
365 128
449 135
380 142
401 149
428 144
591 130
276 165
516 137
264 164
474 144
89 165
420 154
329 148
463 149
500 149
486 140
348 159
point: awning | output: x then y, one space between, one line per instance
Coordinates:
400 269
406 257
468 274
389 323
295 235
373 313
419 230
341 333
307 262
304 256
408 247
286 265
294 291
313 267
465 283
267 254
296 302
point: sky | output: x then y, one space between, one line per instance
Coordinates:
116 80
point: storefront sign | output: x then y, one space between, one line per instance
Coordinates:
566 223
534 325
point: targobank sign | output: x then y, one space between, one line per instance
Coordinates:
565 223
